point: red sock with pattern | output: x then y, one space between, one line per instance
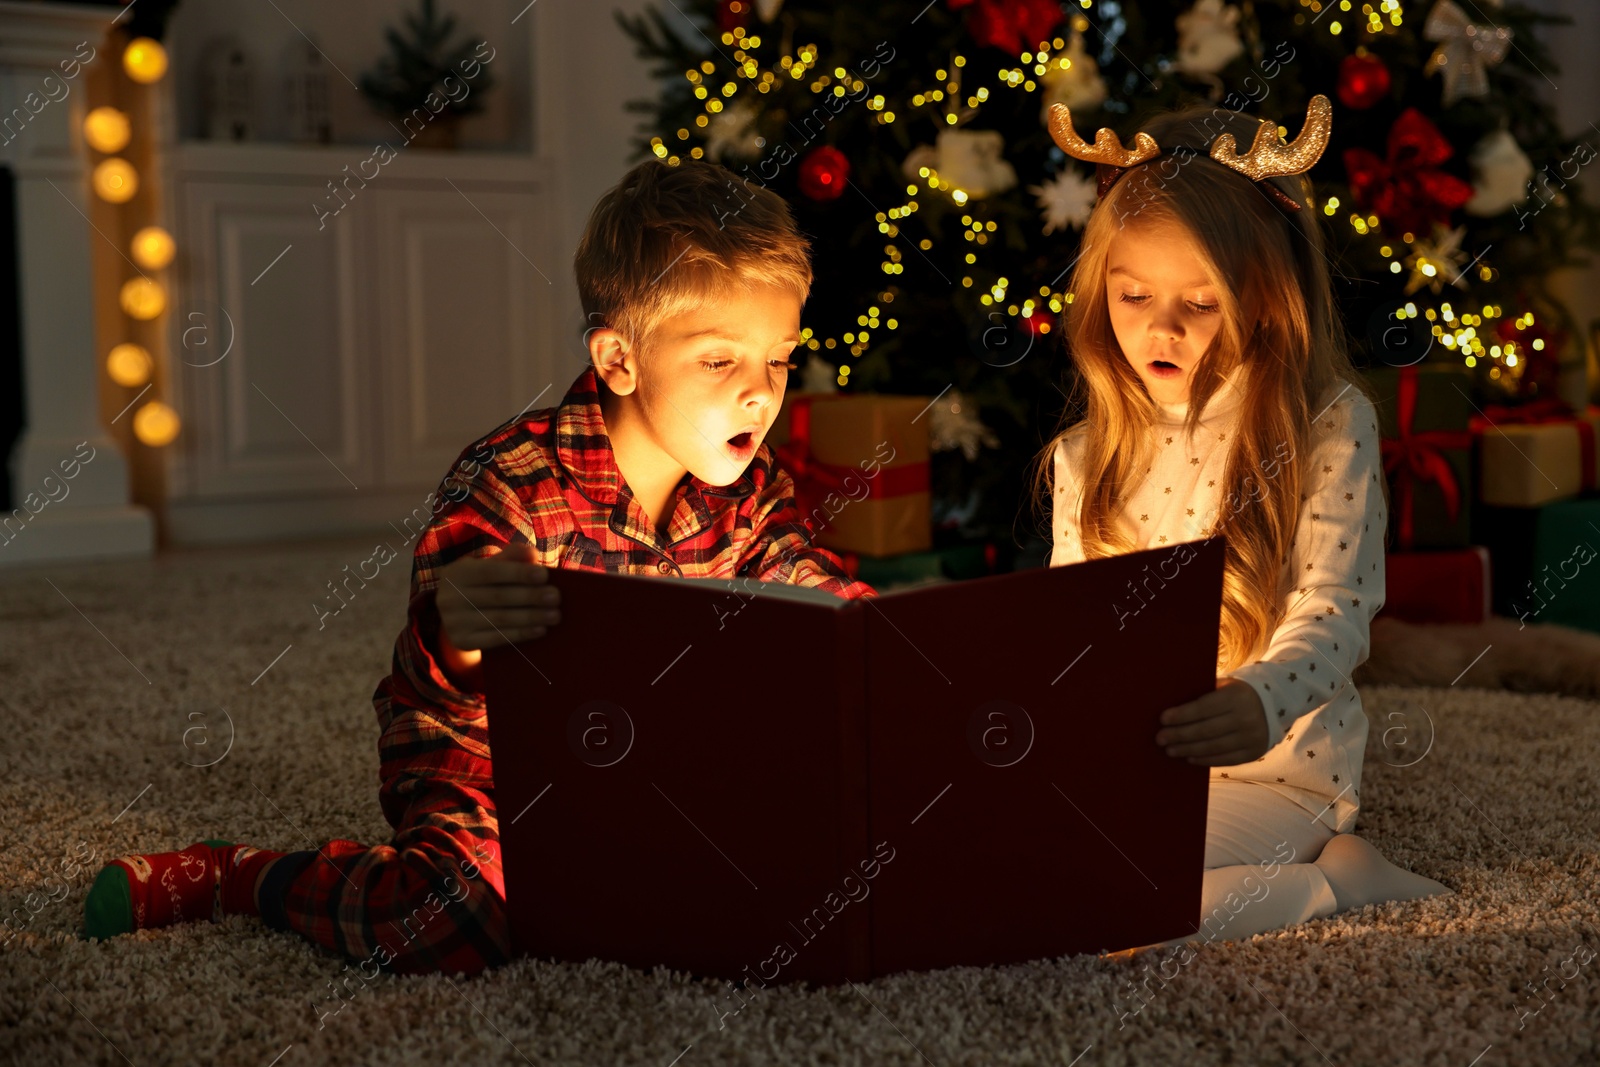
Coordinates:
207 880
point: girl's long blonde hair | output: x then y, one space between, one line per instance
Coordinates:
1255 254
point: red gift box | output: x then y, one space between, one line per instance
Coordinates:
1448 586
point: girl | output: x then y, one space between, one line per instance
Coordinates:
1218 398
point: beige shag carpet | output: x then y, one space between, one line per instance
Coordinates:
109 668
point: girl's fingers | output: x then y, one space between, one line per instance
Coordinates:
1209 748
1200 731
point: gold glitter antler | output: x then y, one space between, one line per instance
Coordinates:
1269 159
1107 147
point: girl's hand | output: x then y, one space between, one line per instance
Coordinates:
1225 727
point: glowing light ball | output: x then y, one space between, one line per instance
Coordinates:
145 60
115 180
143 299
129 364
153 248
107 129
155 424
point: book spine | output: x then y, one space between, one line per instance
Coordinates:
855 827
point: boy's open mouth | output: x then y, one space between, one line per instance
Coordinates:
741 440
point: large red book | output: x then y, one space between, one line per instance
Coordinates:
757 781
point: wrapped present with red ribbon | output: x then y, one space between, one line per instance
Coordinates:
1535 454
1452 585
1424 414
860 469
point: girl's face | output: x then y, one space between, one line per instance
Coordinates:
1164 310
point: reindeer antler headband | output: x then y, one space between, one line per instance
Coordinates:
1267 157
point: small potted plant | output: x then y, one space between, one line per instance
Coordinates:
426 84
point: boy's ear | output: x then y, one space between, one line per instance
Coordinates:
615 361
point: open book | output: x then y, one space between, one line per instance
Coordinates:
763 782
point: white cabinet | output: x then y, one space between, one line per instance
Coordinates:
330 367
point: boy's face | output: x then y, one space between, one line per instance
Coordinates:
1164 310
713 380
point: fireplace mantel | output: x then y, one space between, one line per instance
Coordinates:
65 506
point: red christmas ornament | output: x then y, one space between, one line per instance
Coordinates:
1013 26
823 173
733 13
1363 81
1541 367
1407 190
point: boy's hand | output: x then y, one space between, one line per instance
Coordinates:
497 600
1222 728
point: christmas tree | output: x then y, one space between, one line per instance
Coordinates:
909 138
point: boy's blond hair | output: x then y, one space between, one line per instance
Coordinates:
666 238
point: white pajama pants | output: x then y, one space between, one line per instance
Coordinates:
1259 872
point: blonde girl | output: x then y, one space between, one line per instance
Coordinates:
1217 396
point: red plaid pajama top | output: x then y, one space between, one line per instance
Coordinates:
433 898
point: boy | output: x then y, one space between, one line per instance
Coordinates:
654 463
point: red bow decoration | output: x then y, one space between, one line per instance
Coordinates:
1407 190
1013 26
815 481
1414 456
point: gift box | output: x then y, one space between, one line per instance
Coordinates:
1449 586
1424 416
1545 565
860 468
1535 454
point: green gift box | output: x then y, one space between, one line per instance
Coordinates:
1423 417
1546 561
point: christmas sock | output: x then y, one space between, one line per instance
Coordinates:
207 880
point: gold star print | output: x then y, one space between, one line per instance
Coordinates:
1224 774
1211 483
1194 461
1293 676
1280 779
1358 581
1355 602
1289 736
1343 545
1327 470
1316 516
1191 511
1311 666
1169 440
1144 518
1222 437
1336 778
1168 489
1317 617
1336 646
1349 496
1163 539
1331 611
1280 712
1308 566
1358 444
1310 754
1341 722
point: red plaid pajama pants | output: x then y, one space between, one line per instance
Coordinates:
433 898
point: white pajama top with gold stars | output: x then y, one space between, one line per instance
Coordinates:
1332 585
